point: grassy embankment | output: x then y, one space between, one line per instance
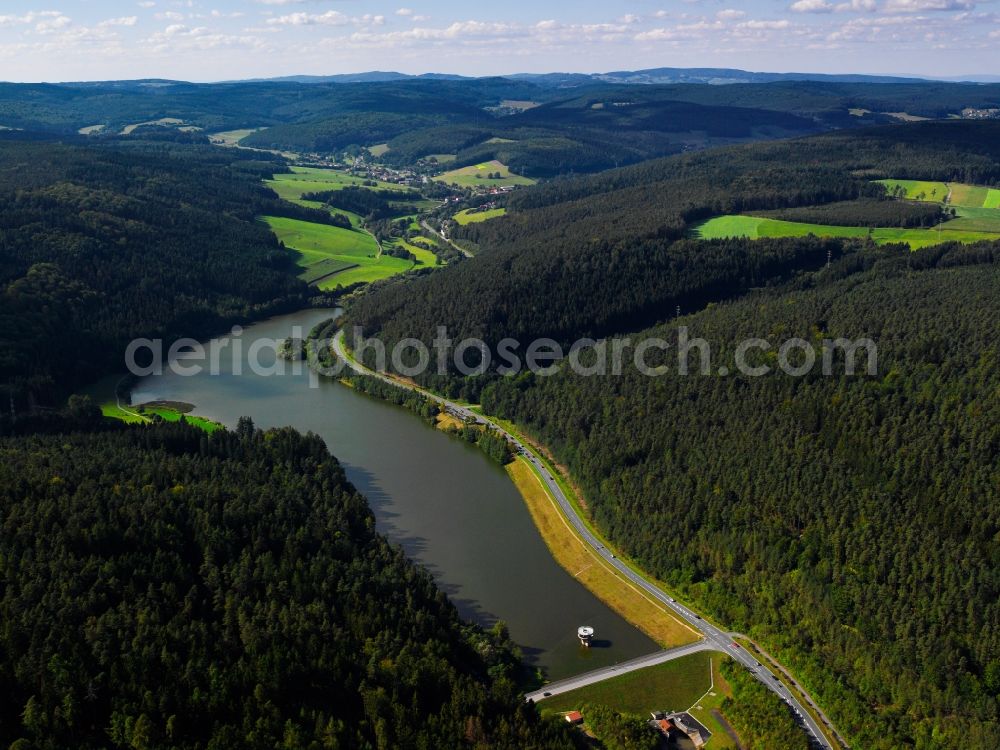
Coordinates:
475 176
977 219
593 571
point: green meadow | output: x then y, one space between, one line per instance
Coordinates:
754 228
330 256
475 176
471 216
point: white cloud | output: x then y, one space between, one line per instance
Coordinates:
170 15
52 24
731 14
123 21
823 6
31 17
404 12
330 18
146 4
919 6
812 6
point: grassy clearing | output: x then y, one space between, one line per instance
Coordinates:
232 137
173 412
724 227
471 216
992 199
331 256
673 686
441 158
162 122
919 190
756 228
475 176
423 255
378 150
584 564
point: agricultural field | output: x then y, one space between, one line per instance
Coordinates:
378 150
330 256
954 194
673 686
753 227
968 196
472 216
475 176
291 186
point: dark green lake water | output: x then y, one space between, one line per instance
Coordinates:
453 510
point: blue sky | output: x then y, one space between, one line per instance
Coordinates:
205 40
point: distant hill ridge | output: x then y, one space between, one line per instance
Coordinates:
718 76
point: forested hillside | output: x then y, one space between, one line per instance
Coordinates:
849 523
608 253
162 588
104 244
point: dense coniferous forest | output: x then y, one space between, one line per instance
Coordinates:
850 523
865 213
164 588
371 204
102 244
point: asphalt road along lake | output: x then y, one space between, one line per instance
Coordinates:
451 508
